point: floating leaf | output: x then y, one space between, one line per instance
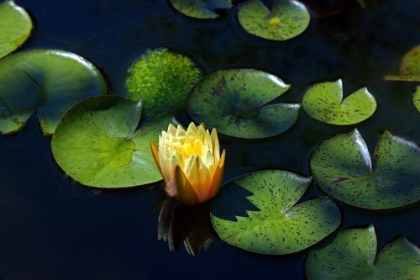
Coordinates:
15 27
49 81
416 98
202 9
352 253
256 213
410 67
233 101
287 19
343 168
96 144
324 102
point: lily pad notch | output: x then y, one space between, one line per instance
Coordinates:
324 102
343 168
351 254
46 81
96 143
234 101
257 213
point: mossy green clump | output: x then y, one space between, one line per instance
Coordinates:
162 80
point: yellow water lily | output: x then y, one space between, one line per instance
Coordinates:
190 162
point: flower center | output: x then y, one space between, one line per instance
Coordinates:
275 21
188 149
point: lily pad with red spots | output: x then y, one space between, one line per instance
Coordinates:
343 168
324 102
258 213
287 19
235 101
201 9
410 67
351 254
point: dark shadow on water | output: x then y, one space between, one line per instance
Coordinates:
233 202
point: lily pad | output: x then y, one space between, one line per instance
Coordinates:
256 213
96 144
410 67
15 27
343 168
49 81
416 98
202 9
287 19
324 102
234 102
352 255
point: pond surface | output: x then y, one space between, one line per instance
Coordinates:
55 228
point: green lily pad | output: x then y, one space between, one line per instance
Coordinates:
234 102
15 27
343 168
96 144
324 102
256 213
410 67
352 255
49 81
416 98
287 19
202 9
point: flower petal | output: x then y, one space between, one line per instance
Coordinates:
217 177
155 153
184 191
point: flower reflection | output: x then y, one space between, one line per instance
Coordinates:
185 224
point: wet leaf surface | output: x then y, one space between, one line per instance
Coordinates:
234 102
324 102
343 168
351 254
257 213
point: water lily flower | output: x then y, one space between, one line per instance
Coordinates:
190 162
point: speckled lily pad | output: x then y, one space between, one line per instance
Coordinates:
202 9
410 67
324 102
15 27
48 81
234 102
287 19
96 143
343 168
256 213
351 254
416 98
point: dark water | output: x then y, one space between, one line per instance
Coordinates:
54 228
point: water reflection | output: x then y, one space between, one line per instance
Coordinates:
180 224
